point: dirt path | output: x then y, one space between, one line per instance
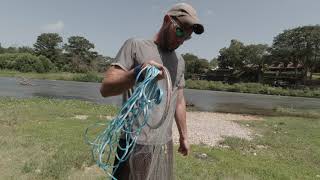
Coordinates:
209 128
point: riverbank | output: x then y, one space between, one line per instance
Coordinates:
66 76
43 139
254 88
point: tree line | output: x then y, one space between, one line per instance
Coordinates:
297 46
77 55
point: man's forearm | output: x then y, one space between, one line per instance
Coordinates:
117 81
180 117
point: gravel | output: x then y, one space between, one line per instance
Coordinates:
209 128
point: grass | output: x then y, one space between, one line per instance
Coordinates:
66 76
285 148
254 88
316 76
42 139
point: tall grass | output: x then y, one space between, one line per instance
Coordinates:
88 77
66 76
254 88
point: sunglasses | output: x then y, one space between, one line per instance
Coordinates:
180 33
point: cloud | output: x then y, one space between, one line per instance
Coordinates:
209 12
54 27
155 7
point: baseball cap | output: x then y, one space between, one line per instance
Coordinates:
187 15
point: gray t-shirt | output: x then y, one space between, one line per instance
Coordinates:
138 51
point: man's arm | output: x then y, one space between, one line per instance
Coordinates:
117 80
181 121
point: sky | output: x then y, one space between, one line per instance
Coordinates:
107 23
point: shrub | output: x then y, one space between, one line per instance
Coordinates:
47 64
28 63
25 62
88 77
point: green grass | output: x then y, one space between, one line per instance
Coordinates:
254 88
286 148
41 139
307 113
316 76
66 76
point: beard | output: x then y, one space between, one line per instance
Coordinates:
165 40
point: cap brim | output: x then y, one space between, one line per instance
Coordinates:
198 28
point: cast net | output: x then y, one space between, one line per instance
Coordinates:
137 143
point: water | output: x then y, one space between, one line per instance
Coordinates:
201 99
244 102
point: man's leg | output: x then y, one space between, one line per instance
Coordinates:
152 162
140 162
123 170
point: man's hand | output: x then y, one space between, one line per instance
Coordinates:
157 65
184 147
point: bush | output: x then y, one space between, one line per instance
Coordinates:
25 62
88 77
28 63
47 64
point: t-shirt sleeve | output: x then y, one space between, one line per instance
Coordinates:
181 83
126 56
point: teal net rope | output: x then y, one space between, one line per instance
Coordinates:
145 96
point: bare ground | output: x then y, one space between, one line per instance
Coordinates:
209 128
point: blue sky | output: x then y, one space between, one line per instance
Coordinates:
108 23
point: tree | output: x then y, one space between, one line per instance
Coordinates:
11 50
232 56
255 57
194 65
49 45
190 61
101 63
79 51
1 49
25 49
213 63
299 45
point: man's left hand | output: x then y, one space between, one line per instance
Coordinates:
184 147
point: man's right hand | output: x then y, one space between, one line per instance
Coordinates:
157 65
117 80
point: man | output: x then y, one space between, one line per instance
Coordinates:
152 157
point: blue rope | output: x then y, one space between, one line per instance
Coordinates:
146 95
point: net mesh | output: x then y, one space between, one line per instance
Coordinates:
141 149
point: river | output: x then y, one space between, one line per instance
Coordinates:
201 99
